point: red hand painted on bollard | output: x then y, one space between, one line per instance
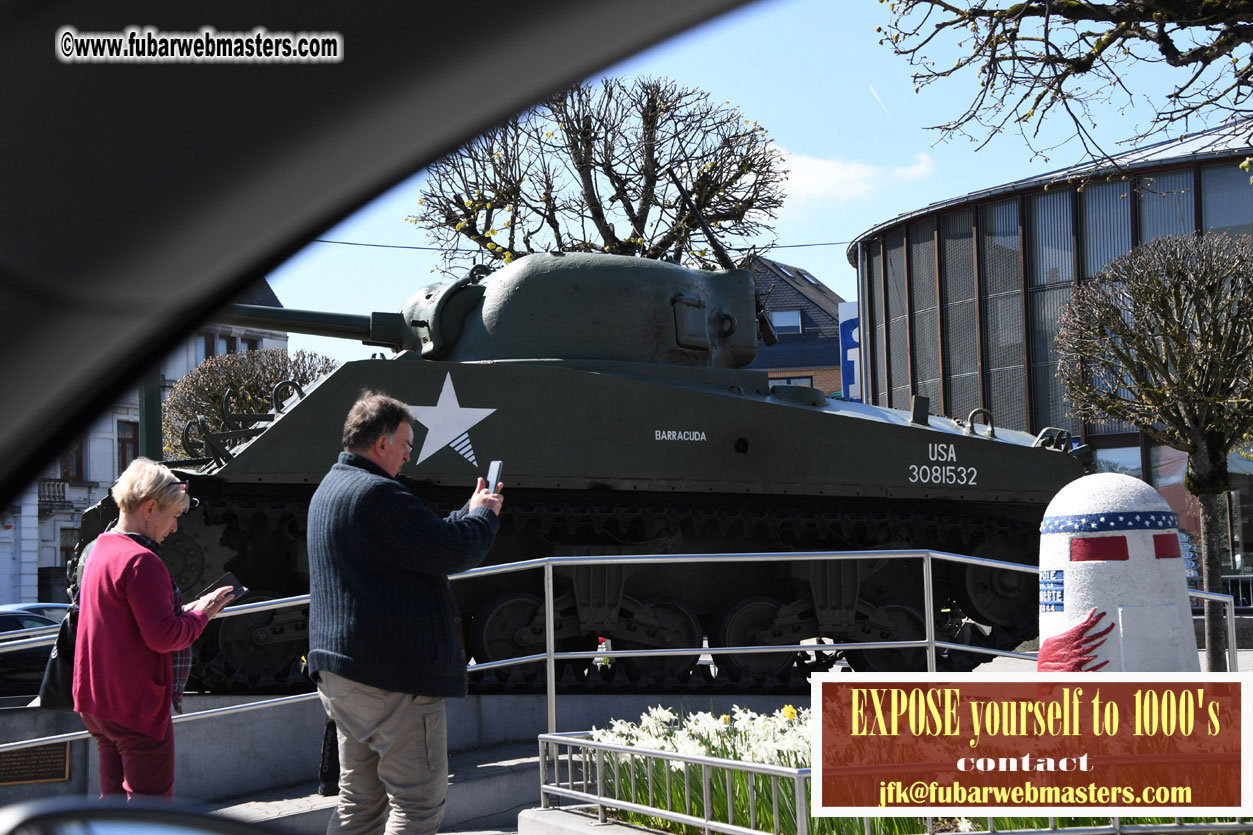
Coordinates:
1065 652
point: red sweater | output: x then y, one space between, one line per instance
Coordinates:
127 629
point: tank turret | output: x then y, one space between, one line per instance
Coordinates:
559 306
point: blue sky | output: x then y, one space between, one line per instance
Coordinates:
813 73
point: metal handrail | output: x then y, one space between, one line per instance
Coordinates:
551 656
46 636
1242 582
798 778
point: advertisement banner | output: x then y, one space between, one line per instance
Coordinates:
1151 744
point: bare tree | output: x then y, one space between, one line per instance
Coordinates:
1162 339
587 171
1037 56
251 375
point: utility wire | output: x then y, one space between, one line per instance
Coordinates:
459 249
386 246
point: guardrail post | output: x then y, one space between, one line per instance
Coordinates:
1229 603
706 778
928 608
543 775
802 808
550 646
1233 656
600 785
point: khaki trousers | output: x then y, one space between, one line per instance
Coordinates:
393 758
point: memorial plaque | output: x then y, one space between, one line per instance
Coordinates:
43 764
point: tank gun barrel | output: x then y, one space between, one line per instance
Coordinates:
384 329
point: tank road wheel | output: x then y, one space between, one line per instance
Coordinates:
194 556
993 597
185 560
512 624
904 623
679 627
506 626
743 624
255 653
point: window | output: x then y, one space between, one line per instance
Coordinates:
1001 268
1106 212
127 443
1049 222
69 538
808 277
204 347
1167 204
11 622
217 344
72 462
1226 205
786 321
792 381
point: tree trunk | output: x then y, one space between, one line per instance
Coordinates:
1213 535
1208 479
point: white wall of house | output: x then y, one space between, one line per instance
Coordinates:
43 523
19 548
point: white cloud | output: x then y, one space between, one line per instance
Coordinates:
815 182
923 166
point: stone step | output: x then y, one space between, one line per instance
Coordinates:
487 789
565 822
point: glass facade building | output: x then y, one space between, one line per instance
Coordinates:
960 300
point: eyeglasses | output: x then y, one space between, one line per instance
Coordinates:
192 501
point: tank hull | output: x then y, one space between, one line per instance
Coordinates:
567 425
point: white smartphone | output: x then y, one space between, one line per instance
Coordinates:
493 475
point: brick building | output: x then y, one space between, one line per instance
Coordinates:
805 314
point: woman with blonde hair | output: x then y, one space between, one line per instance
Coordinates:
131 625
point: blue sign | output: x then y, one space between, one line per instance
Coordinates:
1052 591
850 351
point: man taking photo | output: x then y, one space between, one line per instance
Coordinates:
384 635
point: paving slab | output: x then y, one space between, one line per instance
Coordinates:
487 789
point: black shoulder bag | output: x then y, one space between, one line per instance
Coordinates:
56 692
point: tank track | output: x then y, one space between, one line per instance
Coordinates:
645 524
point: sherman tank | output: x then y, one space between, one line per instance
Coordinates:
616 392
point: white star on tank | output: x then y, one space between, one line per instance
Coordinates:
448 424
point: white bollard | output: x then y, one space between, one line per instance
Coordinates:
1113 590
